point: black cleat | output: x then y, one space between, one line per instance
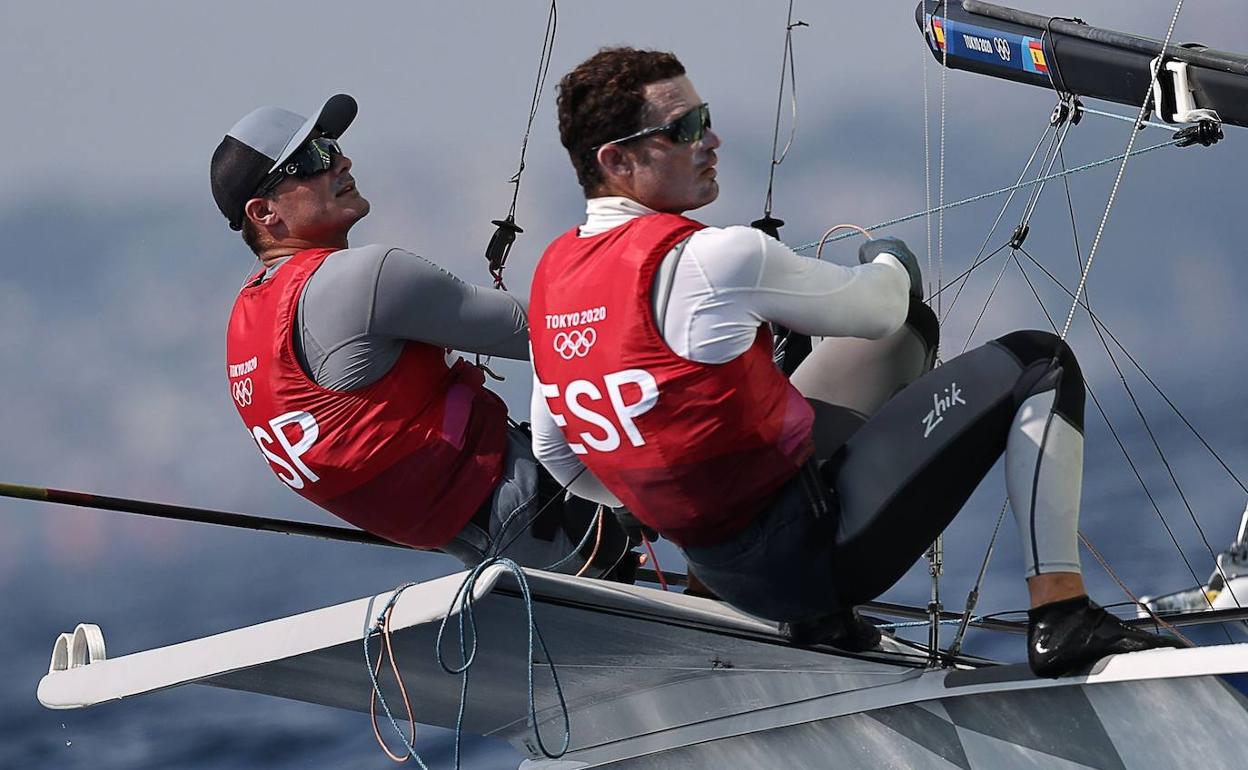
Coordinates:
1065 636
844 630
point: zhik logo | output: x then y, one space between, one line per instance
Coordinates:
941 404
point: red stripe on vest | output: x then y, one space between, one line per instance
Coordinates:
410 457
694 450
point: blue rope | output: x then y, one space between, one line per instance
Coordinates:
918 623
462 605
982 196
593 525
375 630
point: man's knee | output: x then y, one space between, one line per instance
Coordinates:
924 323
1048 364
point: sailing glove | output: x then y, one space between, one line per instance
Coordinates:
898 249
633 527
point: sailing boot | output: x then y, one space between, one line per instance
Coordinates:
844 630
1065 636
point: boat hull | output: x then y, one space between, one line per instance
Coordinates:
654 680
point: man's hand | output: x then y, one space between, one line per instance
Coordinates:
634 528
898 249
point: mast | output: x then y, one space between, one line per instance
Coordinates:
1070 56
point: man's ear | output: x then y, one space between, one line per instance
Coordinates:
615 162
260 211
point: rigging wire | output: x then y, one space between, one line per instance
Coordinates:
499 545
1104 416
927 173
935 552
1116 116
1016 244
1113 193
1102 331
991 292
1100 324
1055 148
1126 386
972 598
1000 215
1085 268
1134 599
994 193
768 223
1063 117
788 349
940 222
499 247
1061 124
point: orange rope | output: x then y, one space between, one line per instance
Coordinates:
833 229
597 543
657 569
1110 571
372 701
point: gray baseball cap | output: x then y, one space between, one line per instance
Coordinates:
261 142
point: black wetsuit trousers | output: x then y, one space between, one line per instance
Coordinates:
894 482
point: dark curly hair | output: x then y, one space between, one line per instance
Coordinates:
602 100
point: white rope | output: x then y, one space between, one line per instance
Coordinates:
1127 118
983 246
927 173
940 226
1113 193
787 67
1002 191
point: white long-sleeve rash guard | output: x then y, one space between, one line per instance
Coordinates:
726 283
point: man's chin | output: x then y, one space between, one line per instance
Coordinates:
709 195
362 207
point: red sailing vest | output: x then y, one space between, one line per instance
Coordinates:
694 450
410 457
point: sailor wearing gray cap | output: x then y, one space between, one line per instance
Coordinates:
338 363
271 143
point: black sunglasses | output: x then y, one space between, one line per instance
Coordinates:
686 129
311 159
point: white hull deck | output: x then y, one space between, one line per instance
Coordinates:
654 679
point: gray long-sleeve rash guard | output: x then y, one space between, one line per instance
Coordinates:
362 304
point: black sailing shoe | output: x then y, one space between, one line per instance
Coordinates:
1065 636
844 630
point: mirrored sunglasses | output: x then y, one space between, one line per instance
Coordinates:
311 159
686 129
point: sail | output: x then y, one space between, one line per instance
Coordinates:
1073 57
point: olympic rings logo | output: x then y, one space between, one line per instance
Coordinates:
576 343
242 390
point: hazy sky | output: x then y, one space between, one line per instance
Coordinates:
119 271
